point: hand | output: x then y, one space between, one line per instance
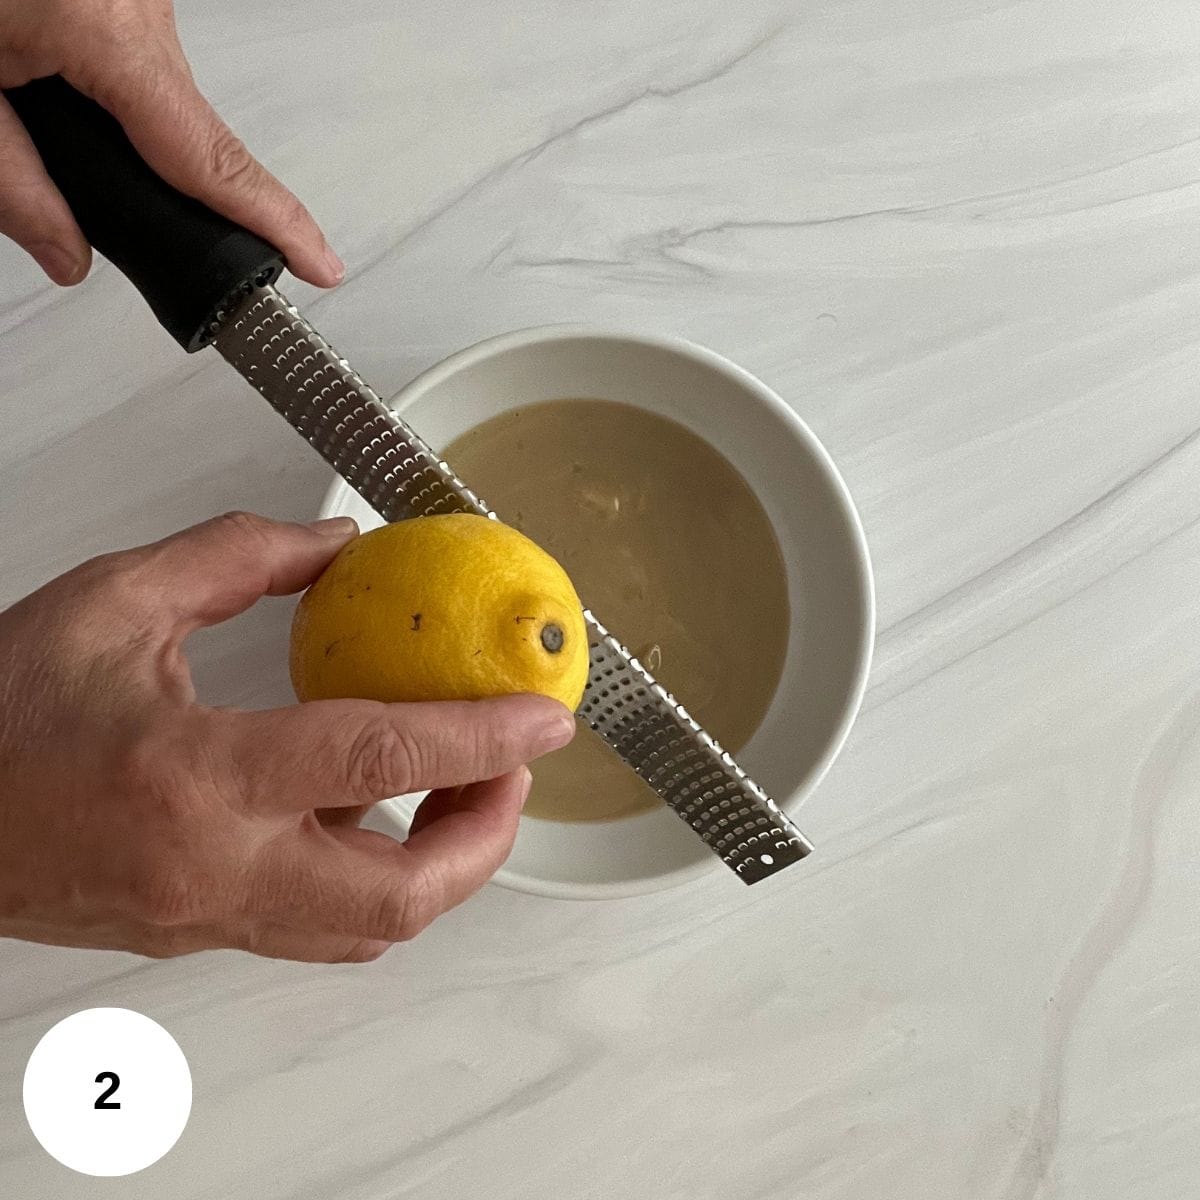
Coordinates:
133 818
125 55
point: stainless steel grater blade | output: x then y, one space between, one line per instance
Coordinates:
322 398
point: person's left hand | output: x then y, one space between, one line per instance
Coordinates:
126 56
134 818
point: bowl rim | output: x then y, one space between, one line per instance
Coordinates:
490 347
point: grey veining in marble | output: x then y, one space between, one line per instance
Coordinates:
960 236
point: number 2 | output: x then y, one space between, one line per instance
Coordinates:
103 1101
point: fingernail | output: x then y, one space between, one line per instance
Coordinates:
60 264
335 528
526 784
336 267
554 733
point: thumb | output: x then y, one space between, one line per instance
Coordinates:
358 752
215 570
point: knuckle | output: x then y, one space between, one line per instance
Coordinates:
363 952
159 950
157 947
229 162
383 761
167 943
406 911
238 523
490 742
252 938
292 214
391 919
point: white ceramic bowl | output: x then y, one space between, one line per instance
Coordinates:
828 571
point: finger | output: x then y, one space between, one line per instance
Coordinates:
180 135
296 945
266 939
32 210
362 884
466 838
336 753
215 570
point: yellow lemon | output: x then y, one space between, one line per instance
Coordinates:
454 607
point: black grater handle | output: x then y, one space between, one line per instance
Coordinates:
188 262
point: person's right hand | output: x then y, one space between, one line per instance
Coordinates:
126 56
133 818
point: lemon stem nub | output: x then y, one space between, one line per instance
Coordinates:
552 638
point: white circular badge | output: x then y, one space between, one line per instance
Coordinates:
107 1091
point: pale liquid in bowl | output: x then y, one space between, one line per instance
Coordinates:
669 547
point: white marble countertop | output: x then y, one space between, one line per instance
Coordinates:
960 237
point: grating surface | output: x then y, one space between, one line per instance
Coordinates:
327 403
